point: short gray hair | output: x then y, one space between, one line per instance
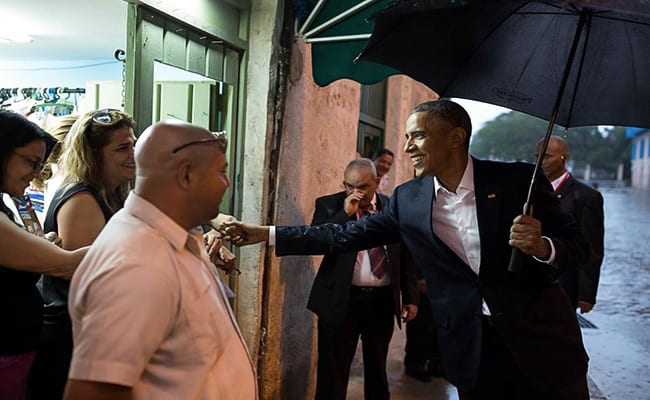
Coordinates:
362 163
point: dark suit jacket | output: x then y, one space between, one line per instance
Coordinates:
585 204
330 293
531 312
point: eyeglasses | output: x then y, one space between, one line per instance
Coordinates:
35 165
219 138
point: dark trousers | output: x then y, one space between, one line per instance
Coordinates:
369 316
49 373
421 338
500 378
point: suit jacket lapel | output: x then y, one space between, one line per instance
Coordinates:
488 200
567 188
425 196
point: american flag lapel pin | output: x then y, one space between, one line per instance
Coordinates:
492 196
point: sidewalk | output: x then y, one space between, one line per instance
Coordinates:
403 387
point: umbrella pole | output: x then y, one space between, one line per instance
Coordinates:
517 256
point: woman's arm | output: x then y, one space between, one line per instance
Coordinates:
24 251
80 220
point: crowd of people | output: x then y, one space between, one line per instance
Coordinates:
117 295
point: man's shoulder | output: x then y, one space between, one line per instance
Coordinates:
512 166
583 188
128 239
382 197
332 198
511 173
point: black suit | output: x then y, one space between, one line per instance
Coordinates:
345 312
585 204
531 313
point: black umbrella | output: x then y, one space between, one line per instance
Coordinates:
572 62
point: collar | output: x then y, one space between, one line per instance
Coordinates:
557 183
156 219
466 182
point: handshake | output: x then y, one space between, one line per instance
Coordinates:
237 232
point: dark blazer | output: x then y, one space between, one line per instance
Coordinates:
530 311
585 204
330 293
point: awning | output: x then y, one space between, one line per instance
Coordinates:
337 31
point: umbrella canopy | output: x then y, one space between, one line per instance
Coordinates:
523 54
572 62
337 31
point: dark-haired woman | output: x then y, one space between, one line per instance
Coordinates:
23 256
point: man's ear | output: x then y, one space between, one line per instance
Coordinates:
459 136
184 175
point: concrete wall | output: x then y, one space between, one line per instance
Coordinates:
403 94
265 23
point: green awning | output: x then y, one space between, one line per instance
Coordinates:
337 31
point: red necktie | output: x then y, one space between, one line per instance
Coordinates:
377 255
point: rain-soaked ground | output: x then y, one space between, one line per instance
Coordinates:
619 346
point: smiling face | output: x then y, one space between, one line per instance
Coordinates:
118 164
428 144
216 182
23 165
383 164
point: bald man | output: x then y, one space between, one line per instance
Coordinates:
150 317
585 204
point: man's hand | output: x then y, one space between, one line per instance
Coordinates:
221 219
54 238
242 234
409 311
526 235
220 255
584 306
351 202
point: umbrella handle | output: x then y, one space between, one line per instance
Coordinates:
516 261
517 256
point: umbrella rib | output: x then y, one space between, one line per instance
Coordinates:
580 68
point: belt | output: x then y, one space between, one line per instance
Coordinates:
368 289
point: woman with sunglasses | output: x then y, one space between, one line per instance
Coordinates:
23 256
97 168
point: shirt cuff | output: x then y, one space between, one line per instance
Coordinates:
551 257
272 235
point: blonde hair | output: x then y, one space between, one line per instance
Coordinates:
59 132
81 160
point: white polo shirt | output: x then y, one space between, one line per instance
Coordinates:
148 312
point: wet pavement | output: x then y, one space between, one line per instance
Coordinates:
619 346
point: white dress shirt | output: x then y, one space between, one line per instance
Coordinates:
454 220
363 275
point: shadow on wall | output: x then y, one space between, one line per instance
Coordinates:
296 344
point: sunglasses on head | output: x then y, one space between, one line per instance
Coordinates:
218 138
104 116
